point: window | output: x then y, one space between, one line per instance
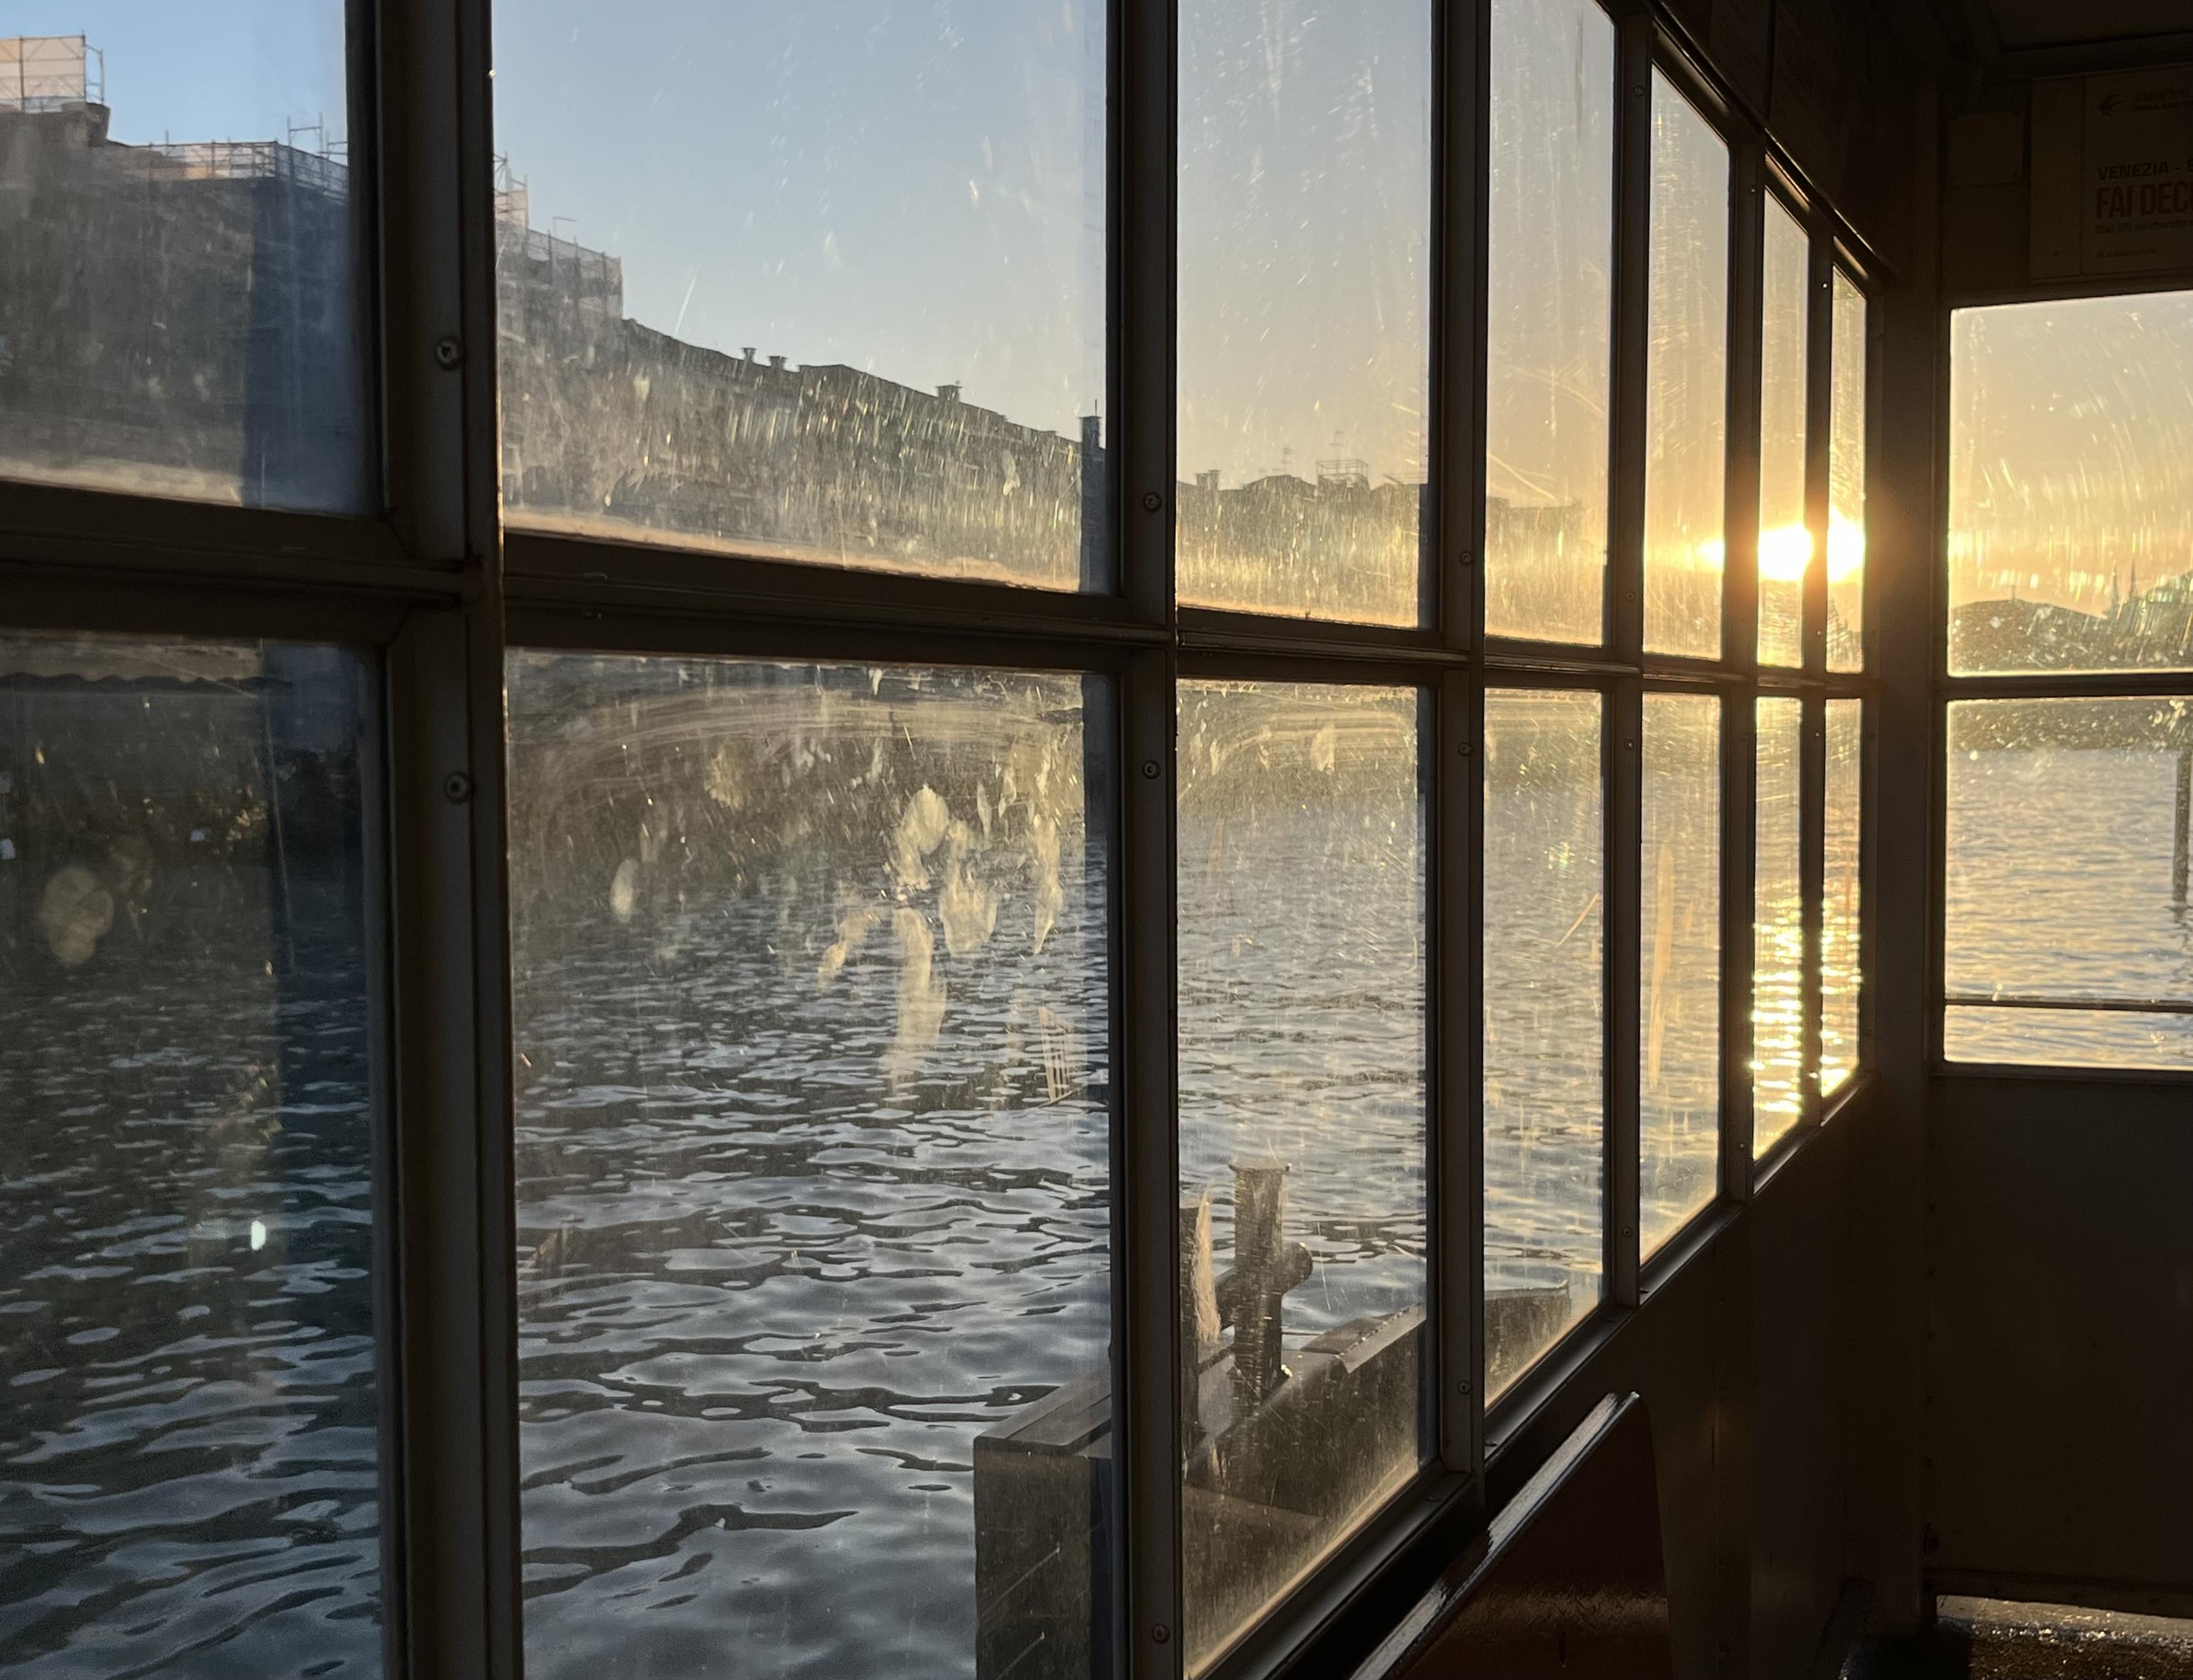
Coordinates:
1778 1006
1846 474
1686 396
813 1160
856 315
1304 224
1680 961
181 313
1549 275
187 1174
1302 1129
2066 937
1785 536
806 873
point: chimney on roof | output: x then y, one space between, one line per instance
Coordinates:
777 362
746 351
950 393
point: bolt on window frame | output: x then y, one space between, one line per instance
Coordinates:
438 590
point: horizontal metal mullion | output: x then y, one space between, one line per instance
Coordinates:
2131 1006
51 519
2068 685
71 602
541 567
1206 627
662 632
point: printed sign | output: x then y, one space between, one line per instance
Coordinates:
2138 174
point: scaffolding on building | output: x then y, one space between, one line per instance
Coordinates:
50 72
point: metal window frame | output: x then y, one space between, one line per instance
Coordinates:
437 591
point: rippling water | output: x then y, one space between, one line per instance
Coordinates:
187 1441
814 1184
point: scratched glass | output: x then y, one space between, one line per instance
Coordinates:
1778 980
1785 540
1686 381
2069 823
1302 1130
813 1199
1305 192
1846 446
2071 485
1841 891
1545 1120
189 1475
1678 1048
1548 313
820 283
181 311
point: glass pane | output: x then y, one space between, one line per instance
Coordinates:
1304 217
1549 316
179 302
1302 1129
813 1201
1778 991
189 1477
1847 481
2071 485
2070 1037
1841 888
1686 385
1785 541
2067 836
1680 959
1544 1023
821 281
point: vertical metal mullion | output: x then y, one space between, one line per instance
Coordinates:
1148 1455
1627 441
1461 205
1463 39
1624 737
1457 1210
456 1373
1739 935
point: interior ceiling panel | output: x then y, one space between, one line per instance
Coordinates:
2062 23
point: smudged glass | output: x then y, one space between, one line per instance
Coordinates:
1842 886
1686 381
1302 1129
1680 964
1545 964
1549 321
189 1460
1846 446
180 311
1785 538
2071 485
814 1208
2068 829
821 281
1304 285
1777 978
